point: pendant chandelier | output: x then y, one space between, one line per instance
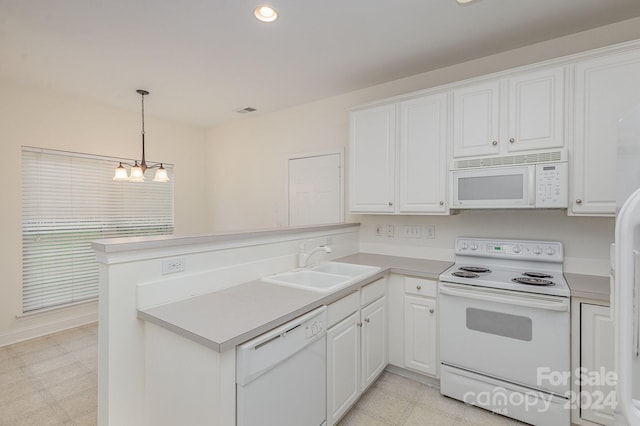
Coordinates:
138 169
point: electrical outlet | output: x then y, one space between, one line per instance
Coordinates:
390 231
430 232
173 265
378 230
412 231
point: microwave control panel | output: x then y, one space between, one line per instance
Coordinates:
552 185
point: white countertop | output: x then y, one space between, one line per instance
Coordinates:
223 319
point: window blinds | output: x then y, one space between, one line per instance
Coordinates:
68 200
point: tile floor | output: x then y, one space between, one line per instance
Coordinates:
53 381
395 400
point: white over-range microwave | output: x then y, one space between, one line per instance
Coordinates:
540 185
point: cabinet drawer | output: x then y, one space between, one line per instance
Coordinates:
342 308
373 291
420 287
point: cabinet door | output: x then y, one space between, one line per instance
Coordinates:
606 89
597 353
536 110
374 341
343 367
420 338
423 154
476 120
372 148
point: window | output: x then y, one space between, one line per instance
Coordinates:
69 200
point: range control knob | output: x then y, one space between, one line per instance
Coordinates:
551 251
464 246
474 246
537 250
517 249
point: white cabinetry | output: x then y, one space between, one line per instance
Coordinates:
372 165
606 88
356 346
593 387
420 332
521 113
423 155
401 171
343 360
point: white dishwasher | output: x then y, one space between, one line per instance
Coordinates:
281 375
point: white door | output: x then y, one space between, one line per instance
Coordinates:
315 190
606 89
476 120
536 110
343 362
420 334
372 148
374 341
423 154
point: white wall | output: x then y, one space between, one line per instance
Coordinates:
247 157
43 118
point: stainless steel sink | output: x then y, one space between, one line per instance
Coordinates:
324 278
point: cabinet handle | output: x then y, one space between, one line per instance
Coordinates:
390 204
367 320
512 140
578 201
359 324
419 287
494 143
442 203
431 310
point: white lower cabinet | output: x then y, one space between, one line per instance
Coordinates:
343 360
593 383
420 326
356 347
420 334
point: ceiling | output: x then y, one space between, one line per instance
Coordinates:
203 59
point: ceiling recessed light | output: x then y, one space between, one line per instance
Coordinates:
464 1
265 13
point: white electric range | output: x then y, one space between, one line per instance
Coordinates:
505 329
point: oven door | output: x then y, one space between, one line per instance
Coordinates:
518 337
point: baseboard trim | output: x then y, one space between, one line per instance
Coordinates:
425 380
26 333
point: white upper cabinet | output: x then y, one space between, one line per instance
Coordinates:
476 120
403 171
521 113
423 155
536 110
372 150
606 88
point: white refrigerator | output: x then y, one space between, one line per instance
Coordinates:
626 276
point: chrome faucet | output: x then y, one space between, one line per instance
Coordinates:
303 257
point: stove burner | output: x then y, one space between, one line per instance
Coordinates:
465 274
537 275
533 281
475 269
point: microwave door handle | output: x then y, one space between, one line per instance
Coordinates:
532 186
537 303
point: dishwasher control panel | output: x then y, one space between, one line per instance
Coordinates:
315 327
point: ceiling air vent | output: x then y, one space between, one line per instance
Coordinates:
245 110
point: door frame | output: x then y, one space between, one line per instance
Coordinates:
340 152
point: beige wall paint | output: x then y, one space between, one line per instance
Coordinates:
247 157
42 118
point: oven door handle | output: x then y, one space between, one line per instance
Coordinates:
491 295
